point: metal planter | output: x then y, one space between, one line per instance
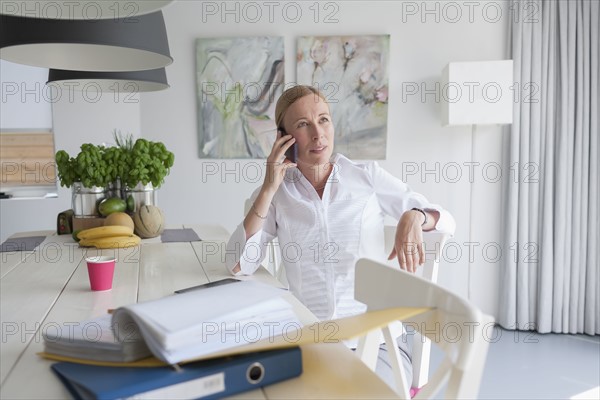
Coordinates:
139 196
84 201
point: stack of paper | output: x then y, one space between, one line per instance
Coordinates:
184 326
197 323
94 340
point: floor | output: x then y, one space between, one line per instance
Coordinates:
527 365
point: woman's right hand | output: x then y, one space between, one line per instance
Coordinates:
277 164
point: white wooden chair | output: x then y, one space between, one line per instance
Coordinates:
433 243
453 324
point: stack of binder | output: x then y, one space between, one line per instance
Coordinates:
208 379
180 346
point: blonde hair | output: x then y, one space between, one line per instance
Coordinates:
289 97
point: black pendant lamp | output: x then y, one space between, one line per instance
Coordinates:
127 44
126 81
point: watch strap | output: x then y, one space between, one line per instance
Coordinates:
422 212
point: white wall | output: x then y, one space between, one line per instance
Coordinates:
78 118
24 104
422 43
419 52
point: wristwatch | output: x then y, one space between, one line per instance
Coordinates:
422 212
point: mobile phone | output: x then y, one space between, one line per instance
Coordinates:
208 285
291 153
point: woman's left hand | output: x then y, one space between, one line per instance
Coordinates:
408 244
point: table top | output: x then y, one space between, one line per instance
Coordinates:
48 287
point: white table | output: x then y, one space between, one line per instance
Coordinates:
48 287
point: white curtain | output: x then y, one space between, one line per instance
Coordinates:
550 277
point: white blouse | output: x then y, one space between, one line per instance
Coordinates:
321 239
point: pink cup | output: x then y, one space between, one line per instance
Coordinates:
101 270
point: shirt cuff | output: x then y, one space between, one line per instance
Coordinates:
248 253
445 223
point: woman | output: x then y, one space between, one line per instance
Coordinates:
327 211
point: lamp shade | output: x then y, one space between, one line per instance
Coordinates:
84 45
125 81
81 9
477 93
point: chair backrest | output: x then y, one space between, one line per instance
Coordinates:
433 243
455 325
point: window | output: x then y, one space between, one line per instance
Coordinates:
26 138
28 167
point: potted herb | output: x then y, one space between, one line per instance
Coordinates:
142 168
139 167
87 175
141 162
89 167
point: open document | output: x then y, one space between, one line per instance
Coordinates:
190 325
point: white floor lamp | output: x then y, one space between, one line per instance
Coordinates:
477 93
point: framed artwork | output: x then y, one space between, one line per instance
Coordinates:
352 73
238 80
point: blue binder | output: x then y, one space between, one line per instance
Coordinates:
209 379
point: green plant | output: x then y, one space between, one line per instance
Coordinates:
148 162
66 168
89 167
125 143
113 157
140 162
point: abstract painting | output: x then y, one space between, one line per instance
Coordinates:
352 73
238 80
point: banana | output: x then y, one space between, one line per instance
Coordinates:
105 231
112 242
